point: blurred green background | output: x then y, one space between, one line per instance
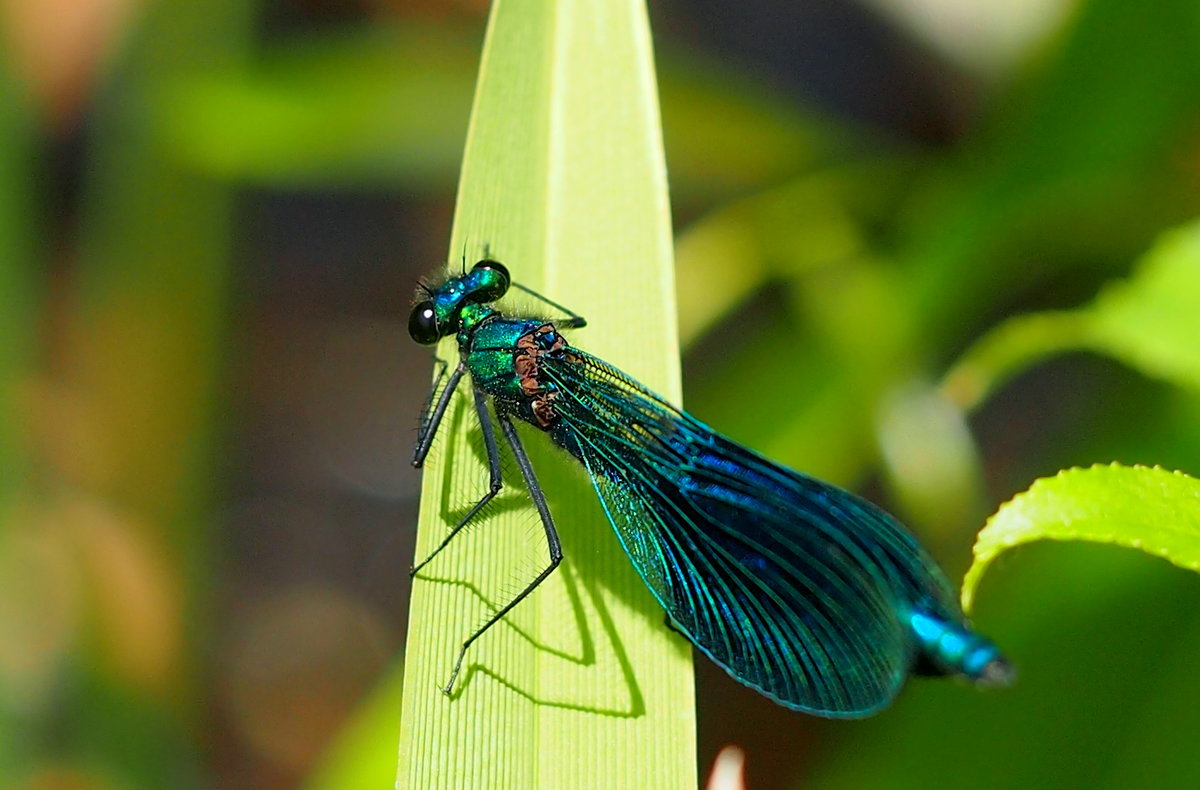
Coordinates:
212 216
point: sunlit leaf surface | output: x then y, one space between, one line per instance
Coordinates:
563 181
1153 510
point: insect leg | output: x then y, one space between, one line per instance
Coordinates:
575 321
494 484
552 542
433 418
427 407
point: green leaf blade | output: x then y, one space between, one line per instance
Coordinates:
563 180
1150 509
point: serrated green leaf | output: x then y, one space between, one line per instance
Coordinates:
563 180
1138 507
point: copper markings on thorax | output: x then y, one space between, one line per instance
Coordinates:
531 347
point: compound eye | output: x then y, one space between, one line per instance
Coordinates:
423 325
494 281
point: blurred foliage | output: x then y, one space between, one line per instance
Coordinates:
1149 322
18 629
829 277
388 107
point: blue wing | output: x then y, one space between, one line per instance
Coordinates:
795 587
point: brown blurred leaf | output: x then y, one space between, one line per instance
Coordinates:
133 590
59 46
40 599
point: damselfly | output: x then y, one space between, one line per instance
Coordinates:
795 587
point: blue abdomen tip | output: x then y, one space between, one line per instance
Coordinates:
954 649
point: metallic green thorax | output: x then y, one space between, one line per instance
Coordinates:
489 349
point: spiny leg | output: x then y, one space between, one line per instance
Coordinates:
552 542
432 419
494 485
427 407
437 380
